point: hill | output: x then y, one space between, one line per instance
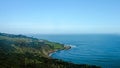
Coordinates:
19 51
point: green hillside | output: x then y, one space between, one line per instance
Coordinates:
18 51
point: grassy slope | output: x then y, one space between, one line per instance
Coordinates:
18 51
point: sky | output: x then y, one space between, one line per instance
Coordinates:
59 16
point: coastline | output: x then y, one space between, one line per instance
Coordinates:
33 55
51 52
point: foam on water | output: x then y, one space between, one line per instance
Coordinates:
73 46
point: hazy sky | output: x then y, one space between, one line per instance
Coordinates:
60 16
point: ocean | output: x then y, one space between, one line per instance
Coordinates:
94 49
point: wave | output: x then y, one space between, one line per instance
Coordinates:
50 54
73 46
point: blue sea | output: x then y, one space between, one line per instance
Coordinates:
94 49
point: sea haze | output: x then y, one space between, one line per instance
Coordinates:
96 49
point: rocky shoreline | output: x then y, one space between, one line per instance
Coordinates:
51 52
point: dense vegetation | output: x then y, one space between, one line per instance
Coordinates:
18 51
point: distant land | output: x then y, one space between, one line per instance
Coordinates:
19 51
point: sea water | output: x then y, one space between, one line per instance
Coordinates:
94 49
